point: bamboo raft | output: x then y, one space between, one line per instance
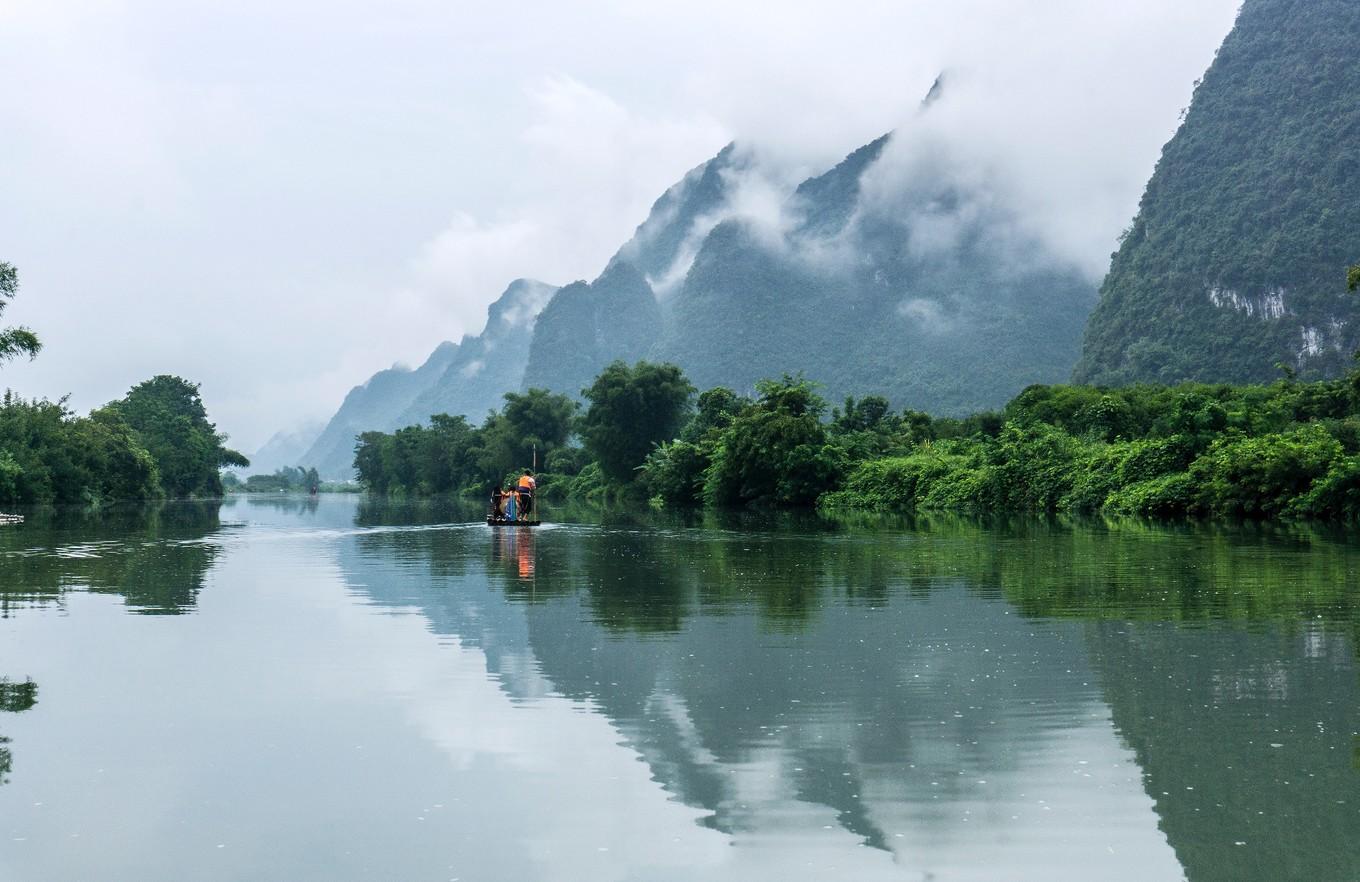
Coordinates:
493 521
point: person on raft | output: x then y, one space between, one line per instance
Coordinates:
526 487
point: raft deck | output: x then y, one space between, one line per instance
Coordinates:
493 521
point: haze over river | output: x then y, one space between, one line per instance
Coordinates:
333 689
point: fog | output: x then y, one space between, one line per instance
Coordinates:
277 199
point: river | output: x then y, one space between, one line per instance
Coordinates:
333 689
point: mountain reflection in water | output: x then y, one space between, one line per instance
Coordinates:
865 698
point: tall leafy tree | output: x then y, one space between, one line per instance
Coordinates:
16 341
168 415
776 451
633 409
533 420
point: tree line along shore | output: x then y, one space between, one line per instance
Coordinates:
643 434
1289 449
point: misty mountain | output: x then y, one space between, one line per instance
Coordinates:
665 243
284 449
458 378
586 326
488 365
895 273
899 280
1236 260
920 286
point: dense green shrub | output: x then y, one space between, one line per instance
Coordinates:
674 473
899 482
1334 496
775 451
1171 495
1261 477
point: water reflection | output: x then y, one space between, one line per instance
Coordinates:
153 556
914 683
404 690
294 504
513 551
1242 742
14 698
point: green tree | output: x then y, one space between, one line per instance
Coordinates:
14 341
533 420
674 472
775 451
370 457
633 409
169 417
1353 278
49 455
716 409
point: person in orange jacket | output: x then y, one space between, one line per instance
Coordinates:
526 487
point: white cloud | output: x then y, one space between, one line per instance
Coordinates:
605 165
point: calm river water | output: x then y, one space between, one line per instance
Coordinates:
329 690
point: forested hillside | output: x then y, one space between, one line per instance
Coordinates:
918 293
465 378
586 326
1237 258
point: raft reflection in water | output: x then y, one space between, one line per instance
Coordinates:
514 550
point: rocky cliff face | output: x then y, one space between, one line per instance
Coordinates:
1236 260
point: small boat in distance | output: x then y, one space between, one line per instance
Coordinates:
515 506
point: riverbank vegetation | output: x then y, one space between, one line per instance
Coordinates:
289 479
1288 449
154 442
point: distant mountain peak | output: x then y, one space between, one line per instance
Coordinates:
666 240
827 202
936 91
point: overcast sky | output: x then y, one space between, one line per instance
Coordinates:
277 198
